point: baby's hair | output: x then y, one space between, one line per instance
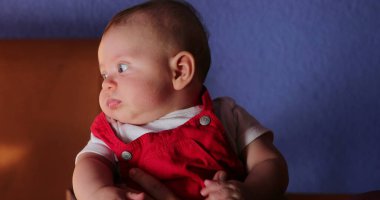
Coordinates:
176 21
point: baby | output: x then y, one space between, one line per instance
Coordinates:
158 116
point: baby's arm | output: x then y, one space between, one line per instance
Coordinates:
267 170
93 179
267 175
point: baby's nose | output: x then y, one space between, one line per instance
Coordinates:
109 83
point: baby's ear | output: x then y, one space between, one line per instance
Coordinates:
183 69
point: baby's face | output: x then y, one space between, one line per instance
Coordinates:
137 84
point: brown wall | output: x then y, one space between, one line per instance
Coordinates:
48 98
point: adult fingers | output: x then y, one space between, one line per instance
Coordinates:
151 185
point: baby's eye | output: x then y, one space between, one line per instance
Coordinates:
104 76
122 68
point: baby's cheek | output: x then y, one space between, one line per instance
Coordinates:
102 101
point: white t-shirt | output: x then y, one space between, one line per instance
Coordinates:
240 127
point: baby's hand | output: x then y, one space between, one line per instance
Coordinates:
220 188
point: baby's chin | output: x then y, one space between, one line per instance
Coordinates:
137 120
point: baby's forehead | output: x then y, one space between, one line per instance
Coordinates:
152 25
137 17
141 21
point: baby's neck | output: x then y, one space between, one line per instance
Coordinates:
188 97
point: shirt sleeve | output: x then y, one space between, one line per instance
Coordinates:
241 128
97 146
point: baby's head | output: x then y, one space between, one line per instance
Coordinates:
154 58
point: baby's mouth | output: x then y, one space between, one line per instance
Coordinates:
113 103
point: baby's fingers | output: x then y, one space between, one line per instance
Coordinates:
221 190
220 176
211 186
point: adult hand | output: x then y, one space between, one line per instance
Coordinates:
153 187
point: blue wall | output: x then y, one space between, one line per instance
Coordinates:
310 70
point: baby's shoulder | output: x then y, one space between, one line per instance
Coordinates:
223 103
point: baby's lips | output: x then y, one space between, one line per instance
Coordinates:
113 103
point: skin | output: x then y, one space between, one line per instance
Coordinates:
143 91
143 81
267 177
155 82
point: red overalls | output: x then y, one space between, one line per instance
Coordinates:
181 158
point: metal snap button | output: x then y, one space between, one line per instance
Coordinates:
126 155
205 120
